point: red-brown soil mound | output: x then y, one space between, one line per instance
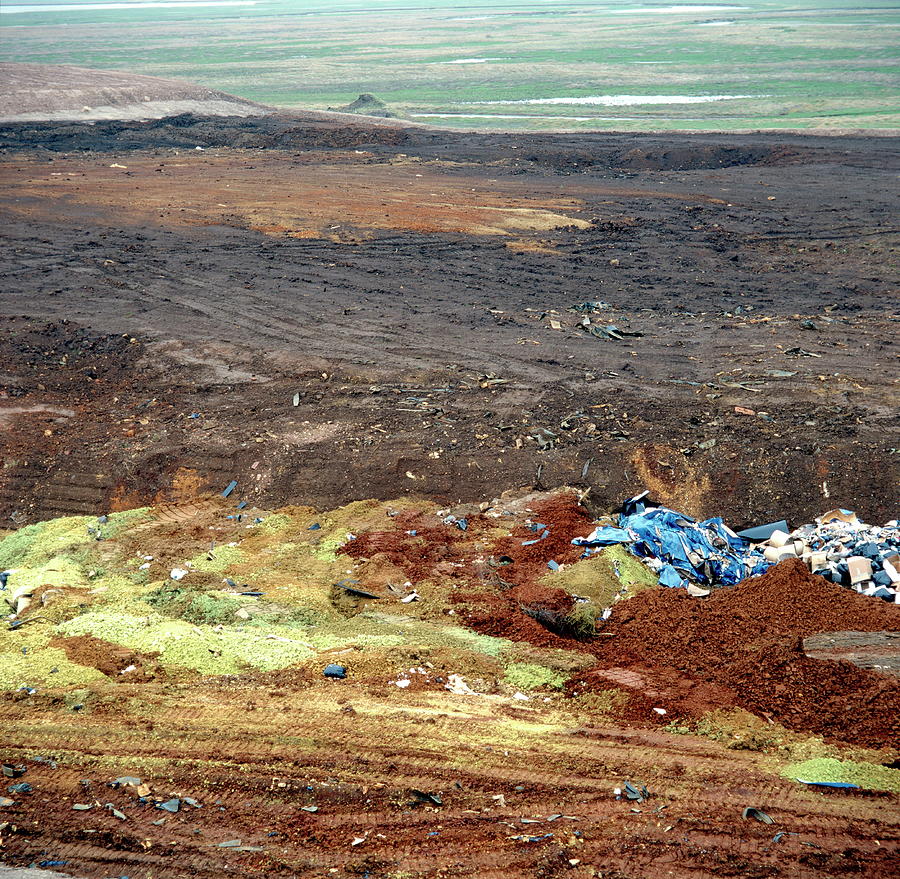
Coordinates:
749 640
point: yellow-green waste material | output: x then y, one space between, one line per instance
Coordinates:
201 648
529 676
37 544
218 560
610 572
869 776
45 666
118 522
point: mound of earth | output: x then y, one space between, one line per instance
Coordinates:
747 643
367 105
35 92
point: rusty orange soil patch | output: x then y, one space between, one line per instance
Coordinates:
282 196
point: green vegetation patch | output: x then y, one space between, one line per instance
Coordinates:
218 560
612 571
869 776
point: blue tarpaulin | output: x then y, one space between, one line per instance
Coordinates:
705 552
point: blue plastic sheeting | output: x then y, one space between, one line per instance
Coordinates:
605 535
764 532
708 552
229 488
668 576
536 539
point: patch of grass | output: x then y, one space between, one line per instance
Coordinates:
223 558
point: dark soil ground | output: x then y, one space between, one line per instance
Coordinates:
382 273
327 312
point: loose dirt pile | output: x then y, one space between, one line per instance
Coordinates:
748 640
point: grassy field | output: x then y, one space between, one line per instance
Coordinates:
752 64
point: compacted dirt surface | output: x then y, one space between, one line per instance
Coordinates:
162 306
328 311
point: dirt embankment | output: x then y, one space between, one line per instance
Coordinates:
55 93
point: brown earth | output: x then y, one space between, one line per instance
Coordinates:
253 752
383 274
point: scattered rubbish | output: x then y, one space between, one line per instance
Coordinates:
229 843
426 797
554 566
349 586
82 807
743 410
413 596
116 813
11 771
801 352
532 838
544 536
23 787
229 488
172 805
456 685
125 780
314 527
52 863
638 794
6 801
332 670
296 400
178 574
309 808
758 814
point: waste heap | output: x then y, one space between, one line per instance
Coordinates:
845 551
699 556
683 552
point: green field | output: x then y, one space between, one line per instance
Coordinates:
745 65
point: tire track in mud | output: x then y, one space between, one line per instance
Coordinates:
224 753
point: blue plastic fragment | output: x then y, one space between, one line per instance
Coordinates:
836 785
536 539
241 505
229 488
554 566
23 787
462 524
764 532
52 863
169 805
314 527
605 535
668 576
194 415
333 670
